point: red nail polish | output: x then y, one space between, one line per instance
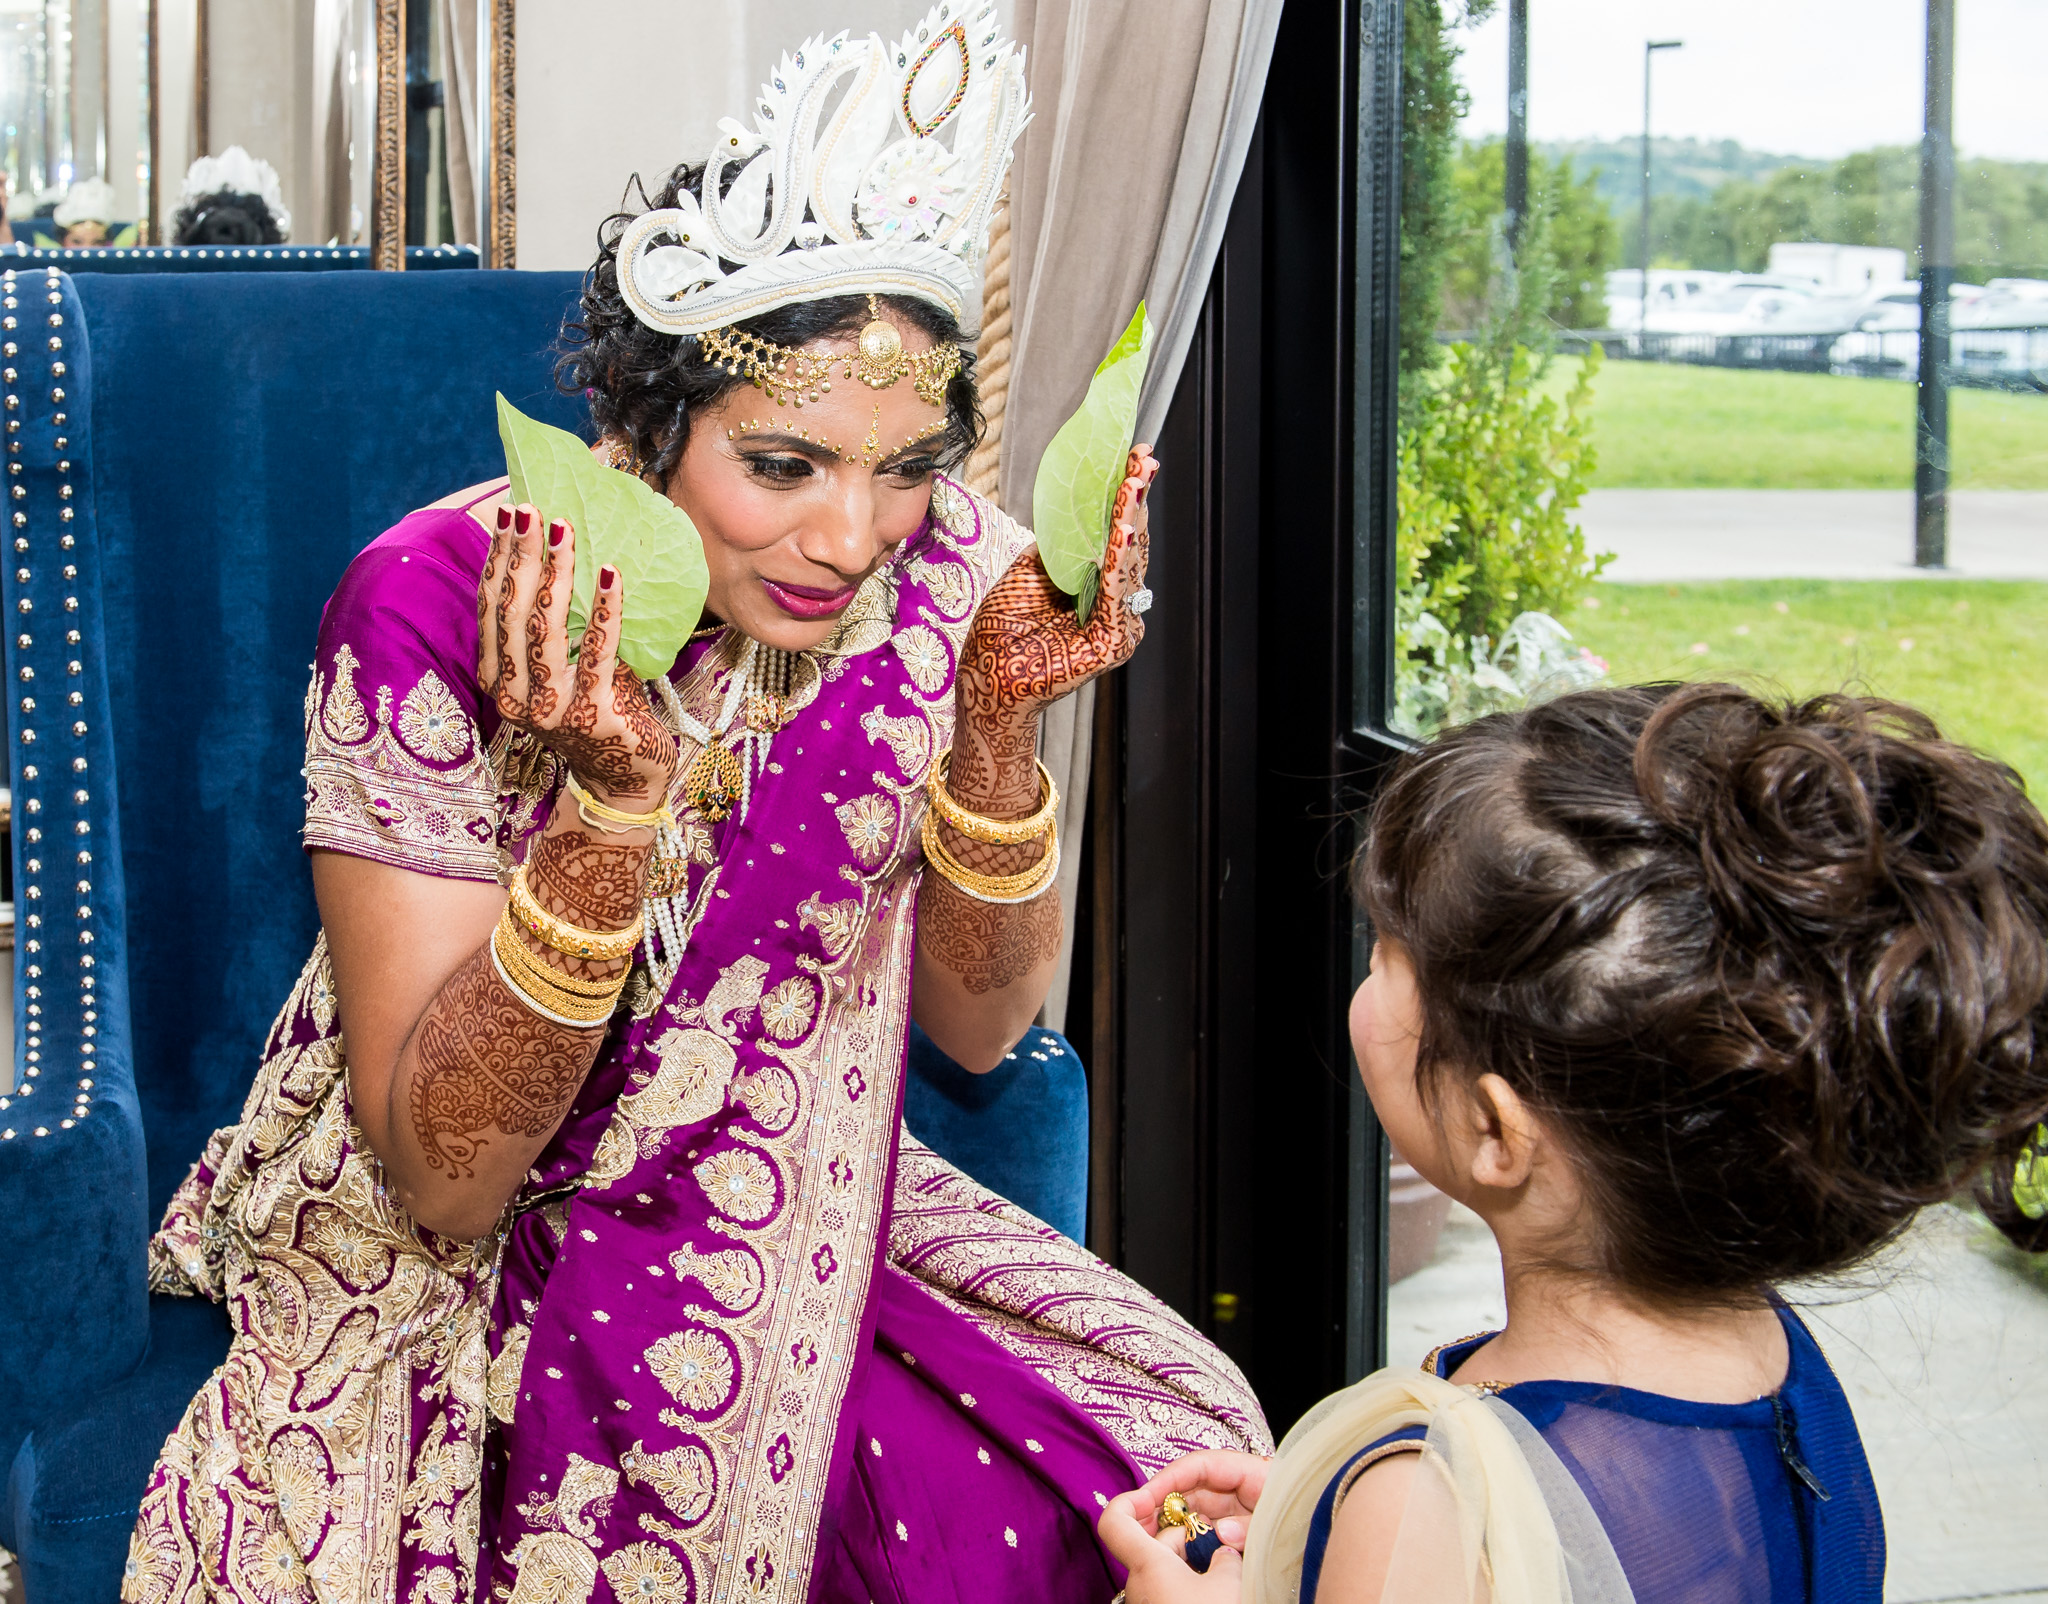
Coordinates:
524 519
607 576
504 519
558 531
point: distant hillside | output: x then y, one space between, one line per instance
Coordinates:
1683 169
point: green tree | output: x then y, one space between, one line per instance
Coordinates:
1568 241
1433 103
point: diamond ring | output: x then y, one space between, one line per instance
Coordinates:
1139 601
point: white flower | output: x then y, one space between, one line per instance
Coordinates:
909 190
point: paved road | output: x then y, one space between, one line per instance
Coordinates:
1939 1350
1662 535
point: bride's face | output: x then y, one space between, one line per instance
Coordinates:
798 505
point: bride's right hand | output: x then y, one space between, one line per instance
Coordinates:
593 713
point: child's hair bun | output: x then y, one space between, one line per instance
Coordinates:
1778 971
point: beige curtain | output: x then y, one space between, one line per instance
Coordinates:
459 22
1122 183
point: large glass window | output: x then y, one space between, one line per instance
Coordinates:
1661 342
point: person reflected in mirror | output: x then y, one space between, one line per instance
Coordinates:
1690 994
86 215
231 199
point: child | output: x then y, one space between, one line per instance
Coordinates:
1688 994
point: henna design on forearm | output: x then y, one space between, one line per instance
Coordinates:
590 883
988 946
487 1063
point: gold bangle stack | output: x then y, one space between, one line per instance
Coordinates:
572 941
614 821
999 888
564 999
979 827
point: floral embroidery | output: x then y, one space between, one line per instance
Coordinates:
694 1366
924 658
646 1573
787 1011
870 825
432 722
739 1184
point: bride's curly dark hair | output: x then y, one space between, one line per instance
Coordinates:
1775 972
644 385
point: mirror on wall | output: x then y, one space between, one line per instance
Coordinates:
349 122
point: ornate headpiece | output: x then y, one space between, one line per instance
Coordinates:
890 194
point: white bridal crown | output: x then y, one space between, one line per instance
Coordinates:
891 193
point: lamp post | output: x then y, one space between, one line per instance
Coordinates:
1650 48
1515 181
1937 273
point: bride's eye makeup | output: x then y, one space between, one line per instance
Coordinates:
778 467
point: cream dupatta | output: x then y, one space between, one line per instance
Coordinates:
1493 1515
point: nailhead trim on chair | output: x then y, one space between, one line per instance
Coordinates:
29 809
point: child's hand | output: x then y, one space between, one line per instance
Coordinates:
1222 1488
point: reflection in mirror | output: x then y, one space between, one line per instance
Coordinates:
107 104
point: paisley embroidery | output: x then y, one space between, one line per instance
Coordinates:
343 716
733 1277
909 739
682 1477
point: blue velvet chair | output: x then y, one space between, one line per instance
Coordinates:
200 456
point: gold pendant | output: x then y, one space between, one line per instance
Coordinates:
713 783
667 877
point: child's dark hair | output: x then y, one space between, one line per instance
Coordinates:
643 384
1776 972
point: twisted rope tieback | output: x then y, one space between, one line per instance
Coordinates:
992 360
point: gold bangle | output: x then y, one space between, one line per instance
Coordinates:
524 958
600 814
998 888
572 941
978 826
544 989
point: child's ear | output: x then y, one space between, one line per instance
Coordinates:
1507 1132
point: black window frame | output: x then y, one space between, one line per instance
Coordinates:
1234 1151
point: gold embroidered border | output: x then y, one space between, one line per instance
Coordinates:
1158 1386
370 794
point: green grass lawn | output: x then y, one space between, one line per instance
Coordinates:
1973 653
1660 425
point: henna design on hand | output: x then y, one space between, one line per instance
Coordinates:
541 696
605 729
487 1063
988 946
589 883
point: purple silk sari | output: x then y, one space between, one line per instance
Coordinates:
742 1337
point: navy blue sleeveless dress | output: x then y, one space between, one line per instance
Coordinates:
1768 1502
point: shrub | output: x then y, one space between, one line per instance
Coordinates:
1486 553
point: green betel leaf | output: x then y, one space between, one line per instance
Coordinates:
1079 474
618 520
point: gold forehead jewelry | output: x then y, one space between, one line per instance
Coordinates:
790 377
870 449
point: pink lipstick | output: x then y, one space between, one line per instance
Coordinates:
807 601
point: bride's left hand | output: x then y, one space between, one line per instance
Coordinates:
1026 648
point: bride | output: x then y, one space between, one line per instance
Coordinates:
571 1236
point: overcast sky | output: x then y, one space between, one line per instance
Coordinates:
1801 77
